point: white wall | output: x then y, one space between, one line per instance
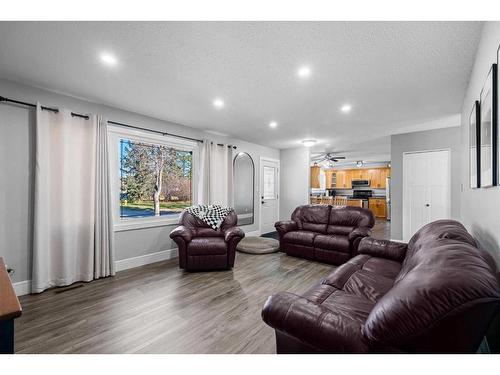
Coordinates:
294 180
480 208
16 152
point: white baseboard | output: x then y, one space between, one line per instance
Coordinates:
24 287
142 260
255 233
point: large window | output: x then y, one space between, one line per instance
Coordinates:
155 178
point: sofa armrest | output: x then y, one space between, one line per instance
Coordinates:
285 226
383 248
313 324
182 232
232 233
359 232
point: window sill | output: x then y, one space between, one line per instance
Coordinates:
125 225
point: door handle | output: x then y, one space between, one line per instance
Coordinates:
427 205
262 202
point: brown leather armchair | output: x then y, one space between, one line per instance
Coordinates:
202 248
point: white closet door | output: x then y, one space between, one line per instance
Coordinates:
438 193
426 189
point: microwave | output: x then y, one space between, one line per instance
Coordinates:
360 183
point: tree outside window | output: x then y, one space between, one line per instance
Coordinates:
156 180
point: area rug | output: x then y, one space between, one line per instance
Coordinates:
258 245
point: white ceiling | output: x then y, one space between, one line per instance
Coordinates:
396 75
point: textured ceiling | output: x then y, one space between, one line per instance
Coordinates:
395 74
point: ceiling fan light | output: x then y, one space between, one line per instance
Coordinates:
309 142
359 163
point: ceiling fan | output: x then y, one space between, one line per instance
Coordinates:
328 157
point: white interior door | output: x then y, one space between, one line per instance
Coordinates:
426 189
269 194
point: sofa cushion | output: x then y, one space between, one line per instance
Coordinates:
207 246
383 267
312 217
339 229
351 217
332 242
341 275
349 305
208 232
300 237
368 285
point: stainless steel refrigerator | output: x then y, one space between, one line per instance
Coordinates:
388 197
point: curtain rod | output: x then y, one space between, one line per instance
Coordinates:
55 110
86 117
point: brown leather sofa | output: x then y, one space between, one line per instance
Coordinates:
436 294
325 233
202 248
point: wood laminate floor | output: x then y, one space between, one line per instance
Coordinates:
160 309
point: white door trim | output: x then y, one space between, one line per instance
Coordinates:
261 159
405 214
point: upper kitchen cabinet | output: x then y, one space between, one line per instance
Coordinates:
384 173
374 177
315 177
378 177
329 179
343 179
359 174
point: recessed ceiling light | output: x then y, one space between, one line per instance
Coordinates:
346 108
218 103
304 72
273 124
309 142
108 59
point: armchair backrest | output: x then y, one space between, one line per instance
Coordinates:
190 221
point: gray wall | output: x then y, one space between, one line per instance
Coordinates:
422 141
294 180
16 151
480 208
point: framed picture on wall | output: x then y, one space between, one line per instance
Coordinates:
497 136
474 140
488 130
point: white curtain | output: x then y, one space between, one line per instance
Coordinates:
215 183
104 254
68 191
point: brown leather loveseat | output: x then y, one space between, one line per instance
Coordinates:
202 248
438 293
325 233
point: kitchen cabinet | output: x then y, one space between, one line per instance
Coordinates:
329 178
355 203
315 177
378 206
384 173
359 174
343 179
377 177
374 177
